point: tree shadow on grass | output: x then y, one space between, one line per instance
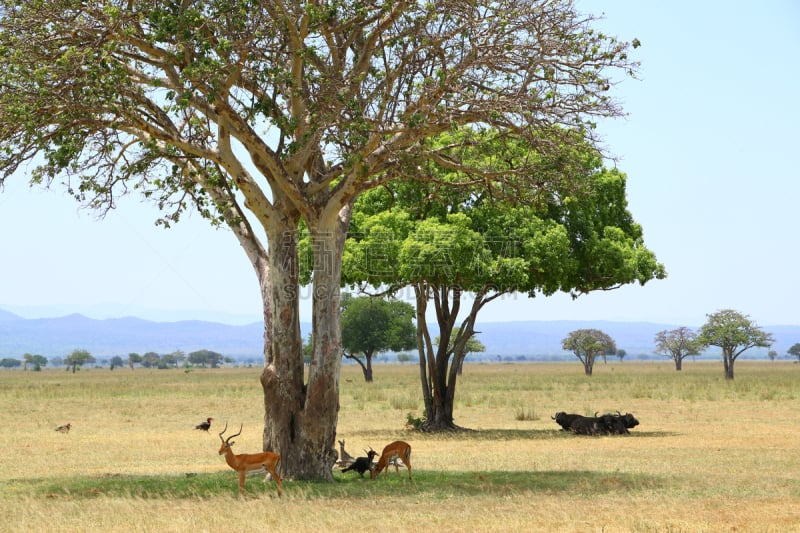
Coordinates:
506 434
427 484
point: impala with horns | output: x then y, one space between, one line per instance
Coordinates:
396 450
245 462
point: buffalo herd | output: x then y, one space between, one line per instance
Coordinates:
607 424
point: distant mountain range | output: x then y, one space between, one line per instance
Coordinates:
58 337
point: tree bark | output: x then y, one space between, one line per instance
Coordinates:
300 418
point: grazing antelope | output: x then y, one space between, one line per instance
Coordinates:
250 461
396 450
64 428
345 459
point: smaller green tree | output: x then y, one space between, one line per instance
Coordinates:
115 362
77 358
372 325
587 344
677 344
621 354
794 351
734 333
9 362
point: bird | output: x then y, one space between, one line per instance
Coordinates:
204 425
64 428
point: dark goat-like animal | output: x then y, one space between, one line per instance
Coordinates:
362 464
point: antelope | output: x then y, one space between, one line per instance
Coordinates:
243 462
345 459
396 450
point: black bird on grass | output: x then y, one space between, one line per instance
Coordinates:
204 425
64 428
362 464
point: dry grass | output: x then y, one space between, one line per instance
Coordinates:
708 455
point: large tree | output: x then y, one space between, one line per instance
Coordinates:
373 325
677 344
471 247
733 333
261 115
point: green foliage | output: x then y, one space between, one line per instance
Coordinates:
10 362
587 344
77 358
677 344
794 350
206 358
734 333
372 325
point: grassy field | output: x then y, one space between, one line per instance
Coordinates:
709 455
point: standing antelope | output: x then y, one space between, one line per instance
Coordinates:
345 459
396 450
250 461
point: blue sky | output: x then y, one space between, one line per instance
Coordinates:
710 148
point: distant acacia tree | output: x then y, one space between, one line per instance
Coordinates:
78 358
151 360
677 344
206 358
794 351
372 325
587 344
38 361
9 362
134 358
621 354
734 333
115 362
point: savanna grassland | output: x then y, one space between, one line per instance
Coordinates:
709 455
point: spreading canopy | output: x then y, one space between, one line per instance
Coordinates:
262 114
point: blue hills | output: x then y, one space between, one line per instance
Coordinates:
58 337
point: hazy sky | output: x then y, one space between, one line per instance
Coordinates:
711 149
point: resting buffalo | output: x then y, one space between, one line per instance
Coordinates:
565 420
607 424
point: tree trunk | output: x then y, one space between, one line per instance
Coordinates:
300 418
368 368
588 365
728 362
678 363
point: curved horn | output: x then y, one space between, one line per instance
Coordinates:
235 434
223 431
